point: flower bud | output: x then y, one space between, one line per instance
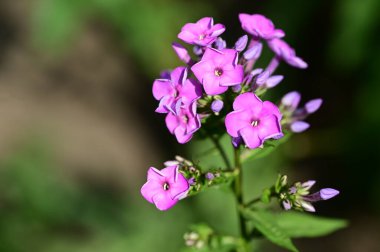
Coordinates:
220 44
241 44
307 206
254 52
299 126
262 78
236 88
236 141
274 81
217 106
328 193
171 163
286 204
209 176
313 105
291 100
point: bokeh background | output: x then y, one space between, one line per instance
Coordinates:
78 129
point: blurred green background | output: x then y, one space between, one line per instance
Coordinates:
78 129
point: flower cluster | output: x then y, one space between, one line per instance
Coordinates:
220 89
217 74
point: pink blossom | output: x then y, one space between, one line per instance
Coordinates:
178 87
184 122
202 33
253 120
218 69
259 26
165 187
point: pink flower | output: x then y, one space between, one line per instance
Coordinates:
178 87
184 122
259 27
202 33
218 69
286 53
253 120
164 188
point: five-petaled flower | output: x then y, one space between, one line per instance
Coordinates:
168 92
255 121
165 187
202 33
218 69
184 122
259 27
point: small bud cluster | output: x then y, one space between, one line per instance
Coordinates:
293 116
297 196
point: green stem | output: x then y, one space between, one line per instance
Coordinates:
219 147
252 202
237 186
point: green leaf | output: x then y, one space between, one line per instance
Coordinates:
265 223
297 224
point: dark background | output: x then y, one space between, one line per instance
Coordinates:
78 129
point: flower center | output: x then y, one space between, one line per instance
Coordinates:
254 123
218 72
201 36
185 119
166 186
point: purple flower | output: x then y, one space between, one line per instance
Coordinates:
178 87
255 121
202 33
259 27
286 53
184 122
217 70
164 188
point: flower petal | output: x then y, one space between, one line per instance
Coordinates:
237 120
233 77
163 201
150 189
247 101
181 135
211 84
190 91
269 127
270 109
172 122
161 88
250 137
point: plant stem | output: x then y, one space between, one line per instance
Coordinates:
219 147
254 201
237 186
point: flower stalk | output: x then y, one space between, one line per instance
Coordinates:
238 191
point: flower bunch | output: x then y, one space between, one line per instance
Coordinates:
220 90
